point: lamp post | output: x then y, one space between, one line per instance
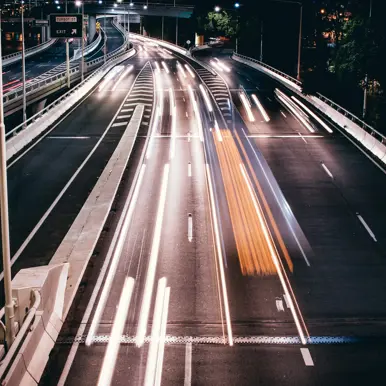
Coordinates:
23 64
79 3
68 59
364 112
9 310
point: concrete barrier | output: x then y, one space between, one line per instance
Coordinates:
79 242
42 324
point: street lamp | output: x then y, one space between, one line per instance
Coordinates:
79 3
145 6
131 4
217 8
115 5
237 5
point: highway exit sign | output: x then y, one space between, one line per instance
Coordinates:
66 25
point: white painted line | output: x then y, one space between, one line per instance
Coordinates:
307 356
217 131
146 300
186 114
284 136
173 113
220 257
247 107
127 110
261 108
273 252
152 356
286 301
123 116
116 250
282 113
327 170
110 358
279 305
118 124
370 232
190 227
189 168
54 137
188 364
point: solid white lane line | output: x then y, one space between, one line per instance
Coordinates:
307 356
188 364
273 252
277 199
110 358
327 171
161 347
220 257
151 364
189 168
146 300
64 137
369 231
190 227
115 251
312 114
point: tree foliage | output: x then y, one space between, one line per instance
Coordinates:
221 23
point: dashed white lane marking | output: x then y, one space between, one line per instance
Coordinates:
286 301
119 124
370 232
190 227
307 356
188 364
186 113
282 113
189 169
327 170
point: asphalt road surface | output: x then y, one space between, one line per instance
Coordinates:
246 239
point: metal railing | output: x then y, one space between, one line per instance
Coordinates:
353 118
292 79
11 58
69 93
20 337
61 77
89 48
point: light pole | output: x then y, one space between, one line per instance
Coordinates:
366 76
79 3
68 59
9 310
23 64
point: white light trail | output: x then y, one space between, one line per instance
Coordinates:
190 71
217 131
157 67
283 98
173 113
165 67
261 108
128 69
109 76
216 66
206 98
115 260
153 131
179 67
247 107
220 258
161 347
152 356
313 115
273 252
196 112
146 300
109 361
223 66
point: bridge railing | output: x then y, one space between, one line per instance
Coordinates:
62 76
89 48
11 58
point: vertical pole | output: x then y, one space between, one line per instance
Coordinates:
162 29
176 31
104 38
23 65
68 59
300 41
9 311
140 26
364 112
128 28
261 41
82 78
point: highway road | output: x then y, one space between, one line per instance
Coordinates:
252 231
52 60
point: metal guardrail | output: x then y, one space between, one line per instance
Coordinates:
62 76
24 329
89 48
41 113
354 118
297 82
11 58
369 129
